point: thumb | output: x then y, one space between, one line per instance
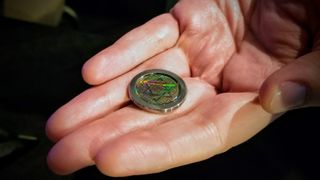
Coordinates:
296 85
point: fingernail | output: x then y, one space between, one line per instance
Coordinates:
289 95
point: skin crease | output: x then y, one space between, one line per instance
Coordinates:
224 50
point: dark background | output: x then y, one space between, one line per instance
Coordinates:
41 70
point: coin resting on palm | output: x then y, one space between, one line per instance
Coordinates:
157 90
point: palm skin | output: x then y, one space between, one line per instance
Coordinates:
223 50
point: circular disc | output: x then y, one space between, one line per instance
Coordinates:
157 90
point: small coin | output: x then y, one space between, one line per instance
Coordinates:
157 90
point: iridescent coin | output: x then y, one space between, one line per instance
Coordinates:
157 90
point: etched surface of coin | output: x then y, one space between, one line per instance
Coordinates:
157 90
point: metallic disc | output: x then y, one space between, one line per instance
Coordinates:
157 90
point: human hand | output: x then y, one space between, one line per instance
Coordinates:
224 50
296 84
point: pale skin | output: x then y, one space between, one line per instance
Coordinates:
233 56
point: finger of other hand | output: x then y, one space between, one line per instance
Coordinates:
294 86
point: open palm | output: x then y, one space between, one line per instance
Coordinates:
223 50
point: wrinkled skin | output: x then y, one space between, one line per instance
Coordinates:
224 50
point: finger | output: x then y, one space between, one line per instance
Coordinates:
100 100
198 135
206 36
70 154
132 49
294 86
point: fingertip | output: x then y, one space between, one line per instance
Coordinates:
69 155
293 86
270 97
265 94
87 77
51 129
57 126
284 96
54 165
92 71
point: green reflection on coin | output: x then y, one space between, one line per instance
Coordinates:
157 90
